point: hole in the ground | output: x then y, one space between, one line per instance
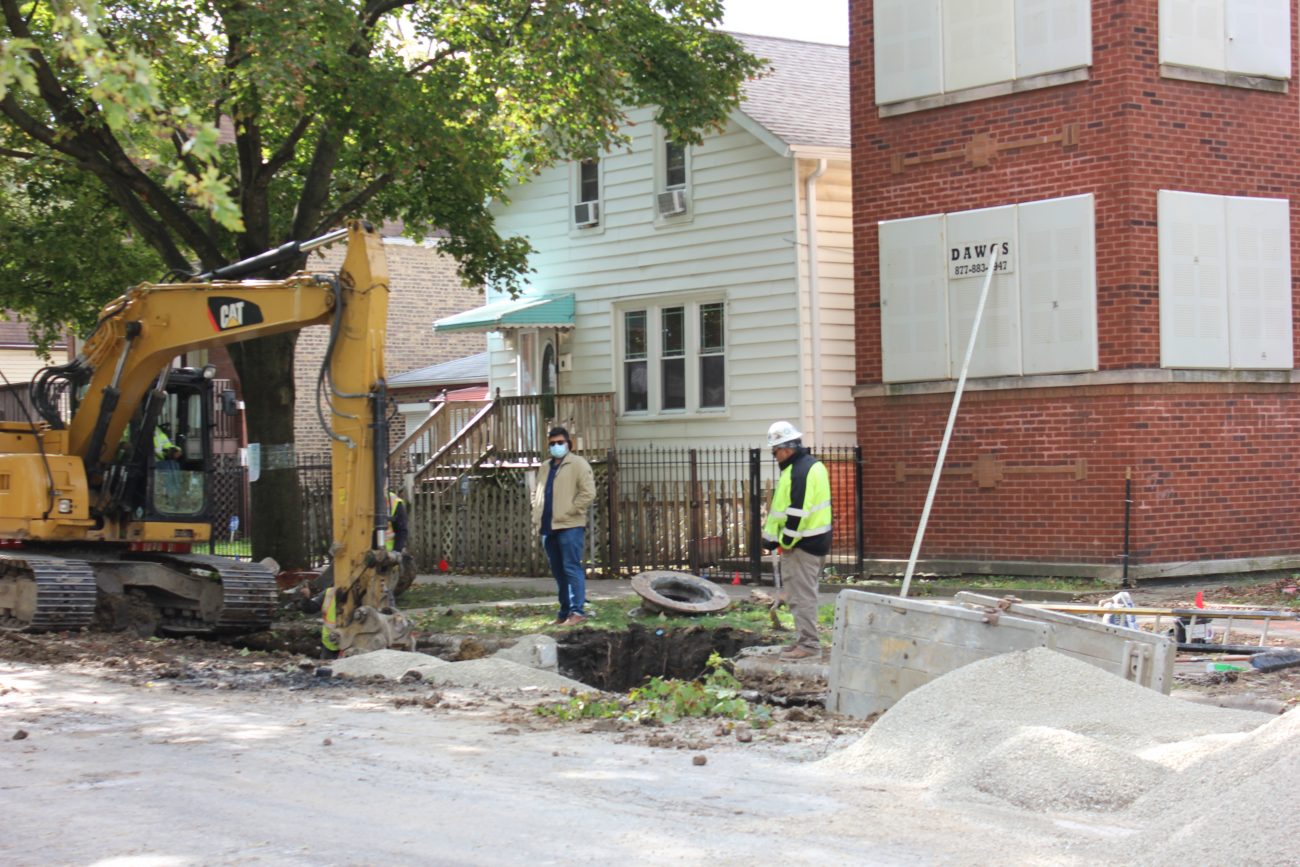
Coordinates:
619 661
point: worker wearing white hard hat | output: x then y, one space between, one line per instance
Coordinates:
798 526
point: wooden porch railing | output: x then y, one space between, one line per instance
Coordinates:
459 436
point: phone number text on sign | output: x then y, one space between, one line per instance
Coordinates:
972 260
1002 267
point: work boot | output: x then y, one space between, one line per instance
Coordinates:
576 619
799 652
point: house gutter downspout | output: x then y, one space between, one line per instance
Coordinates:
814 300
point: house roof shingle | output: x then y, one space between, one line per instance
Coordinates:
469 370
804 98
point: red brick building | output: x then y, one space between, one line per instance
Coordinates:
1134 161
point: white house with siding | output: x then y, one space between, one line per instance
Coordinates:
708 287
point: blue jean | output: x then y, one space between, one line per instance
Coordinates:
564 553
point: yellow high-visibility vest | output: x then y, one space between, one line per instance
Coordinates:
329 614
814 513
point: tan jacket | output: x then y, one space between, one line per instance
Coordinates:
572 495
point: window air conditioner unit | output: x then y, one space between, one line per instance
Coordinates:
672 203
586 214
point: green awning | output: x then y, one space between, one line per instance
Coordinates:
544 311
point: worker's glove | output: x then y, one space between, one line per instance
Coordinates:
769 546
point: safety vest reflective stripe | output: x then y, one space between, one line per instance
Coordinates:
813 519
329 614
800 534
161 442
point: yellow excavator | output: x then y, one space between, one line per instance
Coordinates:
101 504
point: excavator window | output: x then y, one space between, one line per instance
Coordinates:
179 459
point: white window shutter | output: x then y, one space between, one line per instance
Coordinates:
1052 35
913 300
979 41
997 349
1191 33
1058 285
1259 283
1193 280
1258 36
909 50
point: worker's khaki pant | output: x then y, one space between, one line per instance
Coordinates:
800 572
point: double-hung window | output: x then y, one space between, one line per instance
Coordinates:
673 357
585 194
672 199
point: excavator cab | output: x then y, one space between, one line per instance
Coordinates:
164 461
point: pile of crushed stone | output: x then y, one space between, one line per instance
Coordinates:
1048 733
1232 802
1036 729
488 673
392 664
496 673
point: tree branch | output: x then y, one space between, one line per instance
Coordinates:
46 81
18 155
315 187
377 9
349 205
287 148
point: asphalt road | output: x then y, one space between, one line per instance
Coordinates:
117 773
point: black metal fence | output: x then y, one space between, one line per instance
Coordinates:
228 498
685 509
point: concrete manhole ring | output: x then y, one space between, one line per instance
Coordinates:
679 593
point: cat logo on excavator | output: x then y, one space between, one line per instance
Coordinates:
226 313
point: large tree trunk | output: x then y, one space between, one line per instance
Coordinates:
265 368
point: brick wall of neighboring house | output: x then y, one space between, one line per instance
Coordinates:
424 287
1212 462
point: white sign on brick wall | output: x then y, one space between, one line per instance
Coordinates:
972 260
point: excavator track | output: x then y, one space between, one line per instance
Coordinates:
63 597
248 594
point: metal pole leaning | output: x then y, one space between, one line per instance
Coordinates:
952 421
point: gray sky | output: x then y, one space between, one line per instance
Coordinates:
808 20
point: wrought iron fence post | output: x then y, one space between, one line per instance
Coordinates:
859 536
755 507
693 544
611 524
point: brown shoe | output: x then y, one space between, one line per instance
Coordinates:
799 653
575 620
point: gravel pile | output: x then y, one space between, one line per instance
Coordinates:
1232 804
391 664
489 672
1070 772
495 673
1037 729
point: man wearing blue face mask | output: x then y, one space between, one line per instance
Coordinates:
560 515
